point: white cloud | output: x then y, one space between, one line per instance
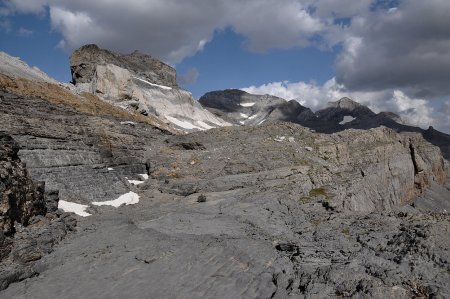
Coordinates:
271 24
174 30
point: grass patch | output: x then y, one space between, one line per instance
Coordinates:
313 193
87 103
305 199
318 192
316 221
346 232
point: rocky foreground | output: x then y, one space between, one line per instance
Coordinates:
275 210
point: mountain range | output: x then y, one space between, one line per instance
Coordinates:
121 184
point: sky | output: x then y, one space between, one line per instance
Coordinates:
391 55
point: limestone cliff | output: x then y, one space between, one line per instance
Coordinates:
138 82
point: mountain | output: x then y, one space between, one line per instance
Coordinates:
139 83
275 210
242 108
337 116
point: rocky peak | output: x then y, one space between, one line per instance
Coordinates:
85 60
248 109
344 103
140 84
344 111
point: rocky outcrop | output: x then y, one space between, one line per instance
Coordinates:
355 170
16 68
85 60
20 197
29 222
141 84
74 156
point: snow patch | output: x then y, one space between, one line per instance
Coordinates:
244 115
247 104
204 125
144 176
261 122
253 116
279 138
242 122
129 198
347 119
130 123
182 123
153 84
72 207
109 168
135 182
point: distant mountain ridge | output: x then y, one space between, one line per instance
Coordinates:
340 115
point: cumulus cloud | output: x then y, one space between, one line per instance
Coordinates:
173 30
274 24
340 9
407 47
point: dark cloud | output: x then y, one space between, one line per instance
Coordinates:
407 48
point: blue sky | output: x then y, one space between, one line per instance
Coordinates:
225 63
37 48
389 55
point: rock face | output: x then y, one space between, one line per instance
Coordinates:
29 225
139 83
72 152
348 167
85 60
20 198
